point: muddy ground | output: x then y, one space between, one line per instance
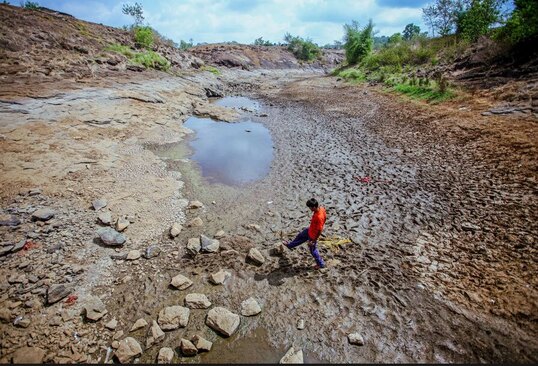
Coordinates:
442 265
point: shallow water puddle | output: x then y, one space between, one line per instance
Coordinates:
238 103
231 153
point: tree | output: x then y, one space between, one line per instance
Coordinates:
395 38
303 49
478 18
358 43
135 11
442 15
523 23
411 30
185 45
261 42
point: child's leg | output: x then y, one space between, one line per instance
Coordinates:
315 253
299 239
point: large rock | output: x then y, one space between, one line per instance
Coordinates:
194 246
129 349
29 355
209 245
94 309
197 301
111 237
99 204
255 257
201 344
57 292
250 307
356 339
166 355
181 282
156 334
293 356
220 277
173 317
9 220
175 230
187 348
223 321
140 323
43 214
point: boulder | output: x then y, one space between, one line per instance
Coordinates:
110 236
187 348
293 356
140 323
194 246
105 217
166 355
43 214
175 230
94 309
29 355
122 224
223 321
220 277
99 204
173 317
128 349
255 257
356 339
133 255
181 282
201 344
209 245
197 301
57 292
156 334
250 307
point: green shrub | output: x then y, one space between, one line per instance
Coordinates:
352 74
477 19
119 48
151 60
424 93
522 24
143 37
211 69
30 5
358 43
303 49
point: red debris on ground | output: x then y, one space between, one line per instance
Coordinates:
71 299
366 179
28 246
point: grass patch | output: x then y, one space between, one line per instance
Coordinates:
352 75
124 50
211 69
149 59
429 94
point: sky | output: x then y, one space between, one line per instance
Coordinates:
243 21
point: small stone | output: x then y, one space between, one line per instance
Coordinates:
181 282
201 344
5 249
175 230
300 324
467 226
255 227
255 257
220 277
156 334
173 317
55 321
133 255
196 222
356 339
140 323
94 309
166 355
223 321
105 217
152 251
29 355
99 204
195 204
128 349
34 192
57 292
122 224
5 315
278 249
43 214
250 307
197 301
9 220
194 246
118 335
209 245
22 323
293 356
112 324
187 348
110 236
219 234
115 344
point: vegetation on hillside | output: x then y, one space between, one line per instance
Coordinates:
303 49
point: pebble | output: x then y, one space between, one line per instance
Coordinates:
99 204
133 255
250 307
293 356
94 309
187 348
194 246
105 217
220 277
181 282
29 355
112 324
9 220
166 355
152 251
209 245
197 301
219 234
57 292
110 236
43 214
195 205
156 334
201 344
175 229
173 317
122 224
223 321
300 324
140 323
196 222
255 257
128 349
355 339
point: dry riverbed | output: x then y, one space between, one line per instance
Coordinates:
439 206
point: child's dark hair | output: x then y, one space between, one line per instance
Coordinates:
312 203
